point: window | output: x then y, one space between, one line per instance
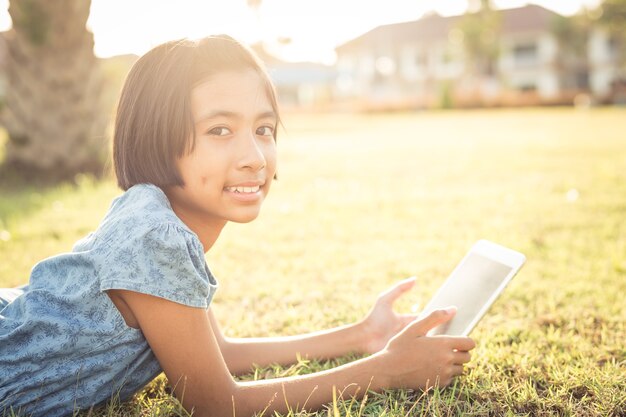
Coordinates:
582 79
525 53
527 87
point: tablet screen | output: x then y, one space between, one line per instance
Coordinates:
469 288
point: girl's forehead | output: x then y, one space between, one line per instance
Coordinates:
238 90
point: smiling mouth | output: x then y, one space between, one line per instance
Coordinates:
244 190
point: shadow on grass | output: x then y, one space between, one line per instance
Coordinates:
21 197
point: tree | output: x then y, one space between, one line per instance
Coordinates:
480 29
52 111
254 4
572 34
612 16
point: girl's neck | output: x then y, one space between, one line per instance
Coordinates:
207 229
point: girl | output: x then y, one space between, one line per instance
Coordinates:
194 148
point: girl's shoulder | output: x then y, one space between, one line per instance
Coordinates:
142 209
145 202
144 247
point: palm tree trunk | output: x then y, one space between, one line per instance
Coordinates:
52 108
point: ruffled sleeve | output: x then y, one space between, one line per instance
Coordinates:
165 261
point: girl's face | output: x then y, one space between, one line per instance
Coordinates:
231 168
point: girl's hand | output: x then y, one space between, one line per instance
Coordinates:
413 360
382 323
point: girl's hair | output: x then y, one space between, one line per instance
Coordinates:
154 125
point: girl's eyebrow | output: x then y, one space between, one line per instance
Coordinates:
234 115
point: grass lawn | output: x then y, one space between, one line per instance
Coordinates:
365 200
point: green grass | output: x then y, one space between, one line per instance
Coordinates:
363 201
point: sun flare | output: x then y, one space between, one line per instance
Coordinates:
294 30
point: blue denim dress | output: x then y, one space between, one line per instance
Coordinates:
64 346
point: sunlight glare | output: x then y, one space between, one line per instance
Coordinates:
296 30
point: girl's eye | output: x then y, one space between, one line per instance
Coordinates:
265 131
219 131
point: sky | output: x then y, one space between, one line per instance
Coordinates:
296 30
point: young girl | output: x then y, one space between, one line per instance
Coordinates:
194 148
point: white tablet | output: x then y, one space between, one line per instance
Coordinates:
474 285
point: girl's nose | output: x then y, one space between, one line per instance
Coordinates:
251 152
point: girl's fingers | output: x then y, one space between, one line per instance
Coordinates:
457 370
462 357
462 344
421 327
407 318
397 290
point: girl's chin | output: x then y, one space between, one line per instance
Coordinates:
246 217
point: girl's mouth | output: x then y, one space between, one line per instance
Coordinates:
242 190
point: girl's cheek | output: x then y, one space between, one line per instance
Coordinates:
269 152
271 161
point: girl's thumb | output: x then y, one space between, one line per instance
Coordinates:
434 319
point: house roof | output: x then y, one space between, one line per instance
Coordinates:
434 27
526 19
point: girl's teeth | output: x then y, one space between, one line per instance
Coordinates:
243 189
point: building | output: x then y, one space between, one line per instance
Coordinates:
422 63
299 84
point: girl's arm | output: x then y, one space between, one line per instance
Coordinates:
367 336
187 349
241 353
